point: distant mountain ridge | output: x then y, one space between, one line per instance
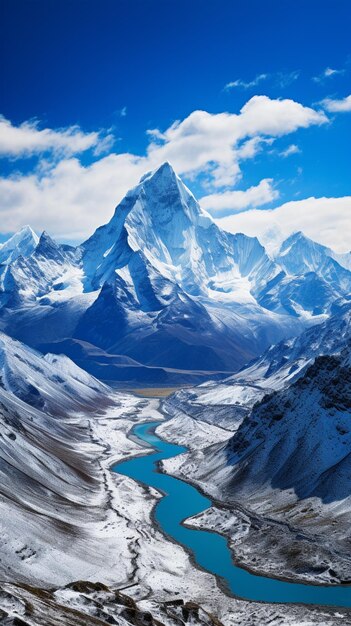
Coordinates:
162 284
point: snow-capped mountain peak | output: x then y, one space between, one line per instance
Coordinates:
163 181
163 175
22 243
50 381
161 203
161 219
47 246
299 254
298 235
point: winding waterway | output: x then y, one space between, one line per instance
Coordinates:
209 549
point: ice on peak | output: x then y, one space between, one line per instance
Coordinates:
297 234
296 237
165 167
160 206
165 170
161 218
319 273
160 202
300 240
27 231
164 185
22 243
45 235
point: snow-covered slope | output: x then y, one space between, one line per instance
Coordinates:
52 382
298 440
51 485
298 255
46 481
292 454
313 278
162 284
45 273
63 515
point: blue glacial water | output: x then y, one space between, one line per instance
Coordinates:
209 549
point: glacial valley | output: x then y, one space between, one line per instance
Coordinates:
254 349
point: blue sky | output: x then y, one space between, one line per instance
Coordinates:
97 77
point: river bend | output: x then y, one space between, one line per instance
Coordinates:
209 549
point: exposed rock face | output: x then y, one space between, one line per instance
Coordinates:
93 604
299 439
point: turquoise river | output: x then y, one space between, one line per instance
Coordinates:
210 550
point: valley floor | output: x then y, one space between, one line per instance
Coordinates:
125 550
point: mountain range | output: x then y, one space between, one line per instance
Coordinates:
162 290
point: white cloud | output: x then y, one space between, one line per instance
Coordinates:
325 220
238 200
337 106
261 115
292 149
70 200
281 79
205 140
246 85
27 139
327 73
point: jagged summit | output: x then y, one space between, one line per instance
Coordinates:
48 247
295 236
301 256
159 197
27 231
164 171
160 189
22 243
46 239
298 238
